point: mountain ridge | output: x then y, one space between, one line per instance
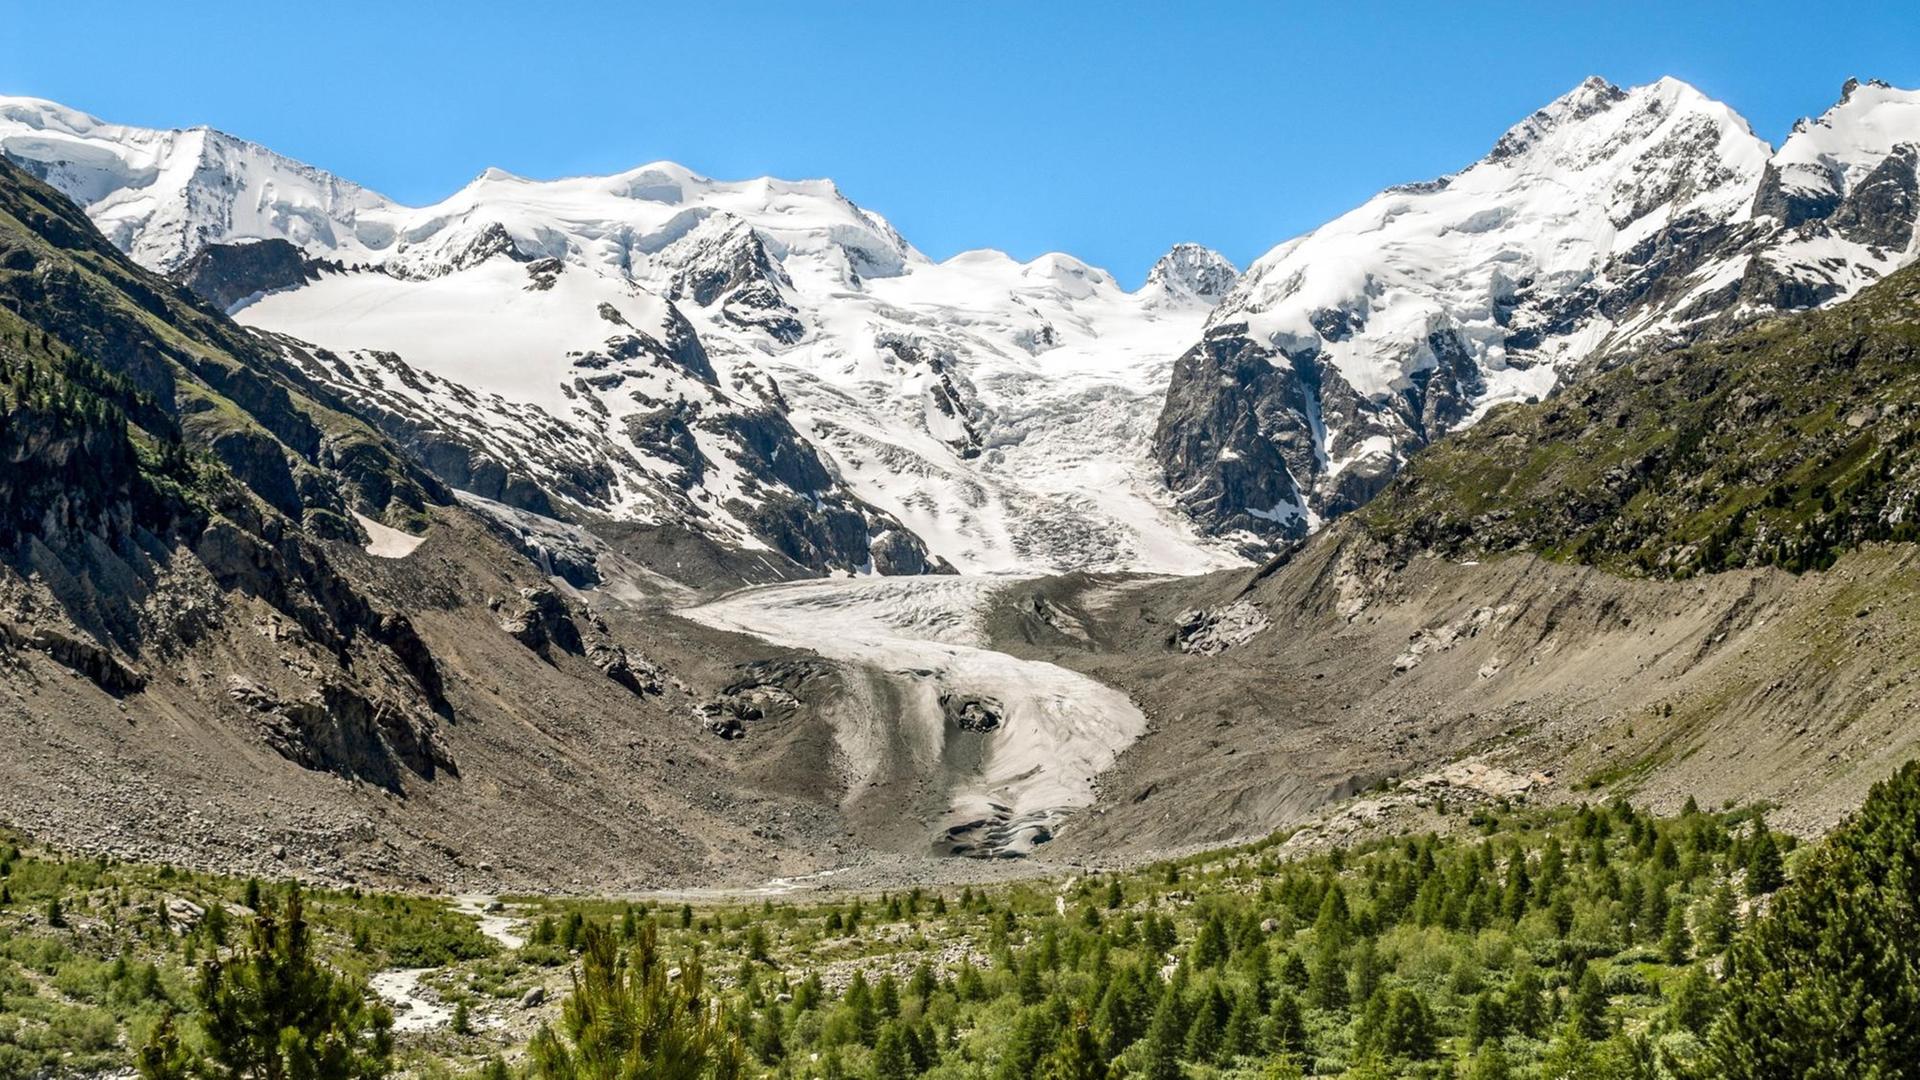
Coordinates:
941 398
1609 224
991 414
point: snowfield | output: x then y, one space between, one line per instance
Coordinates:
999 410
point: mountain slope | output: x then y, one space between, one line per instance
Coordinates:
1783 446
994 409
1609 224
240 629
1693 575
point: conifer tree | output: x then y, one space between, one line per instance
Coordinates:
1077 1055
1676 942
627 1020
1764 871
1164 1042
274 1012
1827 982
890 1060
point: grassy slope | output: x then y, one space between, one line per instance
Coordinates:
1782 446
177 371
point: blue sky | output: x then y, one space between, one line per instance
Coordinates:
1106 130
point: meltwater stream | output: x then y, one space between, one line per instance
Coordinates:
1007 787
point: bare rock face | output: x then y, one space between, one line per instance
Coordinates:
1212 631
85 658
540 620
226 274
543 620
728 264
633 673
969 712
341 729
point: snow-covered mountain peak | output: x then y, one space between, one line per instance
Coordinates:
1592 96
610 345
1829 155
1191 273
162 195
1610 221
1570 187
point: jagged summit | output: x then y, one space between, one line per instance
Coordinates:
976 402
1826 156
1608 222
538 341
1192 272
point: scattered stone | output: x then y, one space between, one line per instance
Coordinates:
1210 632
184 914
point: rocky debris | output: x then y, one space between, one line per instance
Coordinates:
1056 618
296 578
1461 783
540 620
183 914
1441 638
765 690
543 620
1212 631
719 718
83 658
340 729
971 712
636 675
837 975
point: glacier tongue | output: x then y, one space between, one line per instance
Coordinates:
1007 781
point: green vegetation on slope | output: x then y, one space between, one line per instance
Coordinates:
90 341
1580 943
93 953
1782 446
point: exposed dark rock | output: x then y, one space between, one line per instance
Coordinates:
765 690
541 620
225 274
615 662
542 273
1235 425
339 729
1880 210
98 665
971 712
735 270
